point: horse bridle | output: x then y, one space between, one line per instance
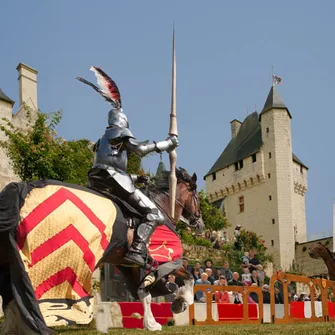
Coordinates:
192 218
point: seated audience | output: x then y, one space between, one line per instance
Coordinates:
246 277
225 271
235 281
200 295
221 296
210 276
266 294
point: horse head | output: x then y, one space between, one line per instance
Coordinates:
188 200
187 206
318 250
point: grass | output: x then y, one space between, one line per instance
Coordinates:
268 329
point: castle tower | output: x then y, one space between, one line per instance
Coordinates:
27 96
27 86
260 182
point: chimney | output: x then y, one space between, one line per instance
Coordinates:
27 86
235 127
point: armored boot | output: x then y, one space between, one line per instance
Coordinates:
137 253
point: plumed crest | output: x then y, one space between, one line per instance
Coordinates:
107 86
108 89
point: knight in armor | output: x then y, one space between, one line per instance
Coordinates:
110 165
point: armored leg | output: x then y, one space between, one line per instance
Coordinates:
137 252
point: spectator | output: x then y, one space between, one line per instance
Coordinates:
208 264
225 271
278 296
198 266
254 278
200 295
246 277
235 281
253 260
266 294
238 244
172 286
245 260
217 274
221 281
261 274
254 295
185 265
225 237
209 274
221 296
196 274
215 240
208 235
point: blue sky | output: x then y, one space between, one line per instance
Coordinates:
225 50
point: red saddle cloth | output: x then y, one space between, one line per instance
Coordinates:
165 245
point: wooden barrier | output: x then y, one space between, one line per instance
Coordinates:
293 312
209 290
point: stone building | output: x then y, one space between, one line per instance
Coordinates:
27 78
259 183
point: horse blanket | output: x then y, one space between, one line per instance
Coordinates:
61 232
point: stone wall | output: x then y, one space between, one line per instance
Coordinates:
197 252
307 265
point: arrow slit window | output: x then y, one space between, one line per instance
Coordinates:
241 204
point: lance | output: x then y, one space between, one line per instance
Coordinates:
173 131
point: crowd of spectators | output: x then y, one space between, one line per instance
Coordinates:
251 274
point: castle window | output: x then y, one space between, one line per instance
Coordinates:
236 166
241 204
269 154
254 158
269 175
301 169
270 197
241 164
267 130
214 175
272 243
273 221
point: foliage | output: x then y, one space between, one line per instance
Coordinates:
39 153
134 164
212 217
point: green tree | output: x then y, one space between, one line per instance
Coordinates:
134 164
39 153
212 217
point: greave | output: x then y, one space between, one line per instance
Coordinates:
142 237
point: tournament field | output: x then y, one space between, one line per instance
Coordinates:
308 329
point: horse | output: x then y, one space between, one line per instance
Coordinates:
53 235
318 250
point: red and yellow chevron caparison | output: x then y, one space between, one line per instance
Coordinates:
62 234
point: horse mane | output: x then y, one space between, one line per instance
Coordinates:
162 182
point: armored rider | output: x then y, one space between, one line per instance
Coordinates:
110 164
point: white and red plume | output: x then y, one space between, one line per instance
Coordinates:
107 87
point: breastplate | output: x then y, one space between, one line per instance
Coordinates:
112 155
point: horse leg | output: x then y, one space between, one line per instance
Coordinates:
149 321
185 294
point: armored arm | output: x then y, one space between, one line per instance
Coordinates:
144 148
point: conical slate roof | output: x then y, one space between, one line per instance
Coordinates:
4 97
160 168
274 101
